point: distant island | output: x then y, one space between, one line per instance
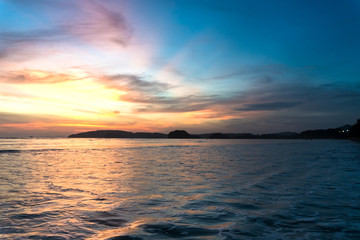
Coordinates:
117 134
343 132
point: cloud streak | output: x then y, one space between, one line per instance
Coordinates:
269 106
132 82
101 24
184 104
90 22
36 76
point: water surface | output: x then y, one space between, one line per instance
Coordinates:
179 189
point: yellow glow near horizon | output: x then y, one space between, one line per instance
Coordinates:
74 99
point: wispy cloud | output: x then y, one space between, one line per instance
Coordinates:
89 22
36 76
99 23
21 45
132 82
155 96
12 118
15 38
270 106
188 103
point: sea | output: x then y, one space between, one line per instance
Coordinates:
133 189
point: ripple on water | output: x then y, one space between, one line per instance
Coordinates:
36 217
42 237
248 230
215 217
126 237
103 218
177 231
260 190
9 230
243 206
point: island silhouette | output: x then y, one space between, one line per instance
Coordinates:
343 132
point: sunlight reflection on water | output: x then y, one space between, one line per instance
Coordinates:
188 189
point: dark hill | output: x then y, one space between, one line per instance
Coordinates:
179 134
149 135
116 134
355 129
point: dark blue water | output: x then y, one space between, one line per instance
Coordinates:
179 189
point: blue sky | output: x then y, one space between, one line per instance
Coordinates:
204 66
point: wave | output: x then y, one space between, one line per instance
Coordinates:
9 151
3 151
170 230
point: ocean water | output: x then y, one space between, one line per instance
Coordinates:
57 189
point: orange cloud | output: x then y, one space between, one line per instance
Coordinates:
37 76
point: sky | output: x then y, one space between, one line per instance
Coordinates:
260 66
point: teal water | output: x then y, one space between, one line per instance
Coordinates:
179 189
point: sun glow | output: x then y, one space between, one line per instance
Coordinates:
77 98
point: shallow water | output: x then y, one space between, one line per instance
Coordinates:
184 189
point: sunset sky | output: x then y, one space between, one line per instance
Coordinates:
258 66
